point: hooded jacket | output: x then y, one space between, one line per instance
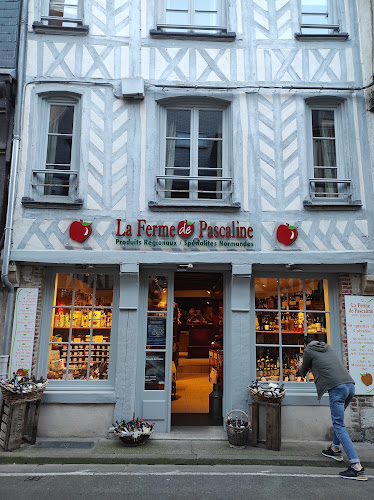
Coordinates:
328 371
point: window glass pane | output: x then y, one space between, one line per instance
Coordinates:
156 331
84 289
157 293
178 123
310 6
177 17
206 5
210 124
267 363
292 328
290 356
266 293
59 150
177 4
61 119
64 286
206 19
154 371
323 123
177 157
316 295
267 327
291 292
325 173
104 290
209 155
324 152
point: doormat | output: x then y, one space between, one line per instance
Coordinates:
65 444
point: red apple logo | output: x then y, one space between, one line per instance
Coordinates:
79 231
286 234
185 228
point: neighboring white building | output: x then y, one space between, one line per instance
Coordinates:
186 138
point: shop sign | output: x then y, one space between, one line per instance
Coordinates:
360 337
184 234
23 330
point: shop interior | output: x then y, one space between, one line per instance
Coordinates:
197 346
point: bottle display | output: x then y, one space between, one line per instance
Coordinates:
303 310
81 327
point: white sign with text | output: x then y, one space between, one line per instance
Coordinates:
23 330
360 338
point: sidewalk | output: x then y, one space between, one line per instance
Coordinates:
183 446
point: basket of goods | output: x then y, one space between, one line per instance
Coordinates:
237 427
22 388
267 392
133 432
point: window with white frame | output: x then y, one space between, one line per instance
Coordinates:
56 176
195 154
81 326
65 13
197 16
318 17
329 180
286 310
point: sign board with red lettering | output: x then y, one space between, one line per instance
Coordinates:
360 339
23 330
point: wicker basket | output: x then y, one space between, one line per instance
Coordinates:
264 398
238 436
139 440
13 396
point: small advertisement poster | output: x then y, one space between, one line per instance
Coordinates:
156 331
23 330
155 371
360 338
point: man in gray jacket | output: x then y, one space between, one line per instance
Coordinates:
331 376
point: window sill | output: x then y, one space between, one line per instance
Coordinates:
68 205
214 37
339 37
330 205
59 30
182 207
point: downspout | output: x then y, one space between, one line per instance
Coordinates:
4 358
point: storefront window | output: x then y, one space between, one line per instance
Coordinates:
286 311
156 334
81 327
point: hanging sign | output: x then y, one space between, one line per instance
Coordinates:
23 330
360 338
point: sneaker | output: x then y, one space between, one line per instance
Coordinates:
336 455
351 473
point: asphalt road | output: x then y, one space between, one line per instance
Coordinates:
141 482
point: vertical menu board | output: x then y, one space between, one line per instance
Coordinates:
23 330
360 337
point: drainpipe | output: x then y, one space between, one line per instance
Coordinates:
4 358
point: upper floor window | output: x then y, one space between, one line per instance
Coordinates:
320 18
61 16
56 162
192 16
194 154
329 153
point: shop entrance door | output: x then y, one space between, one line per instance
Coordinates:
154 378
197 361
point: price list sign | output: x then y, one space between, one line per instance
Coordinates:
360 336
23 330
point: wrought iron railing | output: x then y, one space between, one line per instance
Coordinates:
330 189
194 188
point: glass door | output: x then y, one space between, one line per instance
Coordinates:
156 350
